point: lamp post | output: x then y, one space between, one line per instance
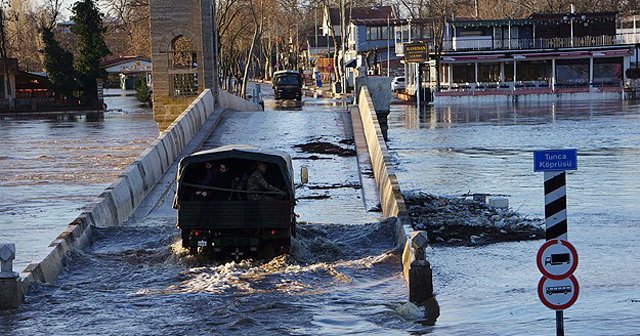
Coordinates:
571 17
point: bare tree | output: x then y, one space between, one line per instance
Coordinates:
257 12
48 15
131 18
4 54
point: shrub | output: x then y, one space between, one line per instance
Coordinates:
633 73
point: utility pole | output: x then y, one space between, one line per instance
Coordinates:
343 68
388 45
477 8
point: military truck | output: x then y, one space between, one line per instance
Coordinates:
219 216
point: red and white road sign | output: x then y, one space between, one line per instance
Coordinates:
558 294
557 259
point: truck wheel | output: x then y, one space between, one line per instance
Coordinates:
185 238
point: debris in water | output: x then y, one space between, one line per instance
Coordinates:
322 147
410 311
464 221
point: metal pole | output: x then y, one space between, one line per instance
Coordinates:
559 323
389 45
418 85
297 50
572 31
343 84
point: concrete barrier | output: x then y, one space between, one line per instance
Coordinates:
120 199
416 268
11 294
233 102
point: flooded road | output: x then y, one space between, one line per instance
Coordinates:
52 166
490 290
343 275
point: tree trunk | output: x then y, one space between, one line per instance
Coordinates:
245 75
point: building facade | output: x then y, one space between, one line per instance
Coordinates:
542 57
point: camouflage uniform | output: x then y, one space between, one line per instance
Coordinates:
256 182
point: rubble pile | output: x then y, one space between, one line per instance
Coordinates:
322 147
462 221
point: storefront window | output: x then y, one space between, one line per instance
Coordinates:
572 72
463 73
488 72
607 70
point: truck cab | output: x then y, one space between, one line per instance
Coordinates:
287 84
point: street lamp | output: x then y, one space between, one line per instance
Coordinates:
571 17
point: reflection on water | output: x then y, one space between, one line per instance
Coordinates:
51 165
490 290
408 116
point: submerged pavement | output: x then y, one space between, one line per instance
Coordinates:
342 276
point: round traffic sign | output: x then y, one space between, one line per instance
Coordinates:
557 259
558 294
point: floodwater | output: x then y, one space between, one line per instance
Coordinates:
53 165
491 290
343 275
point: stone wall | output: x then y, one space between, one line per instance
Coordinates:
233 102
169 20
391 199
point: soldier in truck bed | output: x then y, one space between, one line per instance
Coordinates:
258 185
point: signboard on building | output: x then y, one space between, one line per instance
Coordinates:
416 52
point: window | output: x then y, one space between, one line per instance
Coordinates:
183 67
384 33
607 69
183 55
463 73
572 72
378 33
185 84
488 72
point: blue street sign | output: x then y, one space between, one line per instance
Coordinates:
555 160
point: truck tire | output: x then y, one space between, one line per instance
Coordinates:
185 238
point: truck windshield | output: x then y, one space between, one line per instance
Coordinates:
288 80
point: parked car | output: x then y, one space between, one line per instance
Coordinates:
398 84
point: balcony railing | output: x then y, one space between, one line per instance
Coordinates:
487 43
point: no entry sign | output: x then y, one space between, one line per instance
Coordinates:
558 294
557 259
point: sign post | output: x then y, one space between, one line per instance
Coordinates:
557 259
416 53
